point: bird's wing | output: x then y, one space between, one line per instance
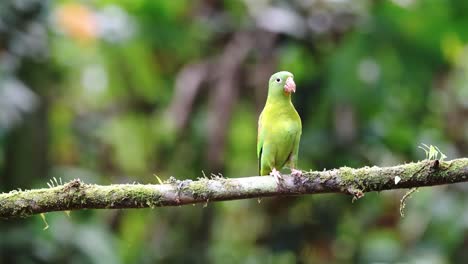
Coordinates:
293 156
260 139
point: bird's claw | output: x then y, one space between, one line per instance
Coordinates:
179 188
296 173
277 175
180 184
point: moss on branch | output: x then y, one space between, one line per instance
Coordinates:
76 195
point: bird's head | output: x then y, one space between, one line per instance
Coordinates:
282 83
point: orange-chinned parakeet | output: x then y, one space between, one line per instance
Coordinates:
279 128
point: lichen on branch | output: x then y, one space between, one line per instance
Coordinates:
76 195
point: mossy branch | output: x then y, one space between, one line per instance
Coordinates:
76 195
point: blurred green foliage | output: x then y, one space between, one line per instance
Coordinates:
116 91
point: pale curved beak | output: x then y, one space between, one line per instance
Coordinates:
290 86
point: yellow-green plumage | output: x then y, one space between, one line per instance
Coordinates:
279 127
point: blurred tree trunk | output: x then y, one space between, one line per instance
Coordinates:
26 151
27 144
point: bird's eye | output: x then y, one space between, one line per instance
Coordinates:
278 80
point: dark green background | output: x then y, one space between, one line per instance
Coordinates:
116 91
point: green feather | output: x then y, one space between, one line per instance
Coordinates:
279 128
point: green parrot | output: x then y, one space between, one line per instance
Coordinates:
279 128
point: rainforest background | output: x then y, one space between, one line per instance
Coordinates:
116 91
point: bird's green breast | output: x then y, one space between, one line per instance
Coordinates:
281 126
281 117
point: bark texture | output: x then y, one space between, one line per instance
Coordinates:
76 195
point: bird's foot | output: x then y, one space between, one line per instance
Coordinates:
296 173
179 189
277 175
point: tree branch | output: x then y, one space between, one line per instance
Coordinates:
77 195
